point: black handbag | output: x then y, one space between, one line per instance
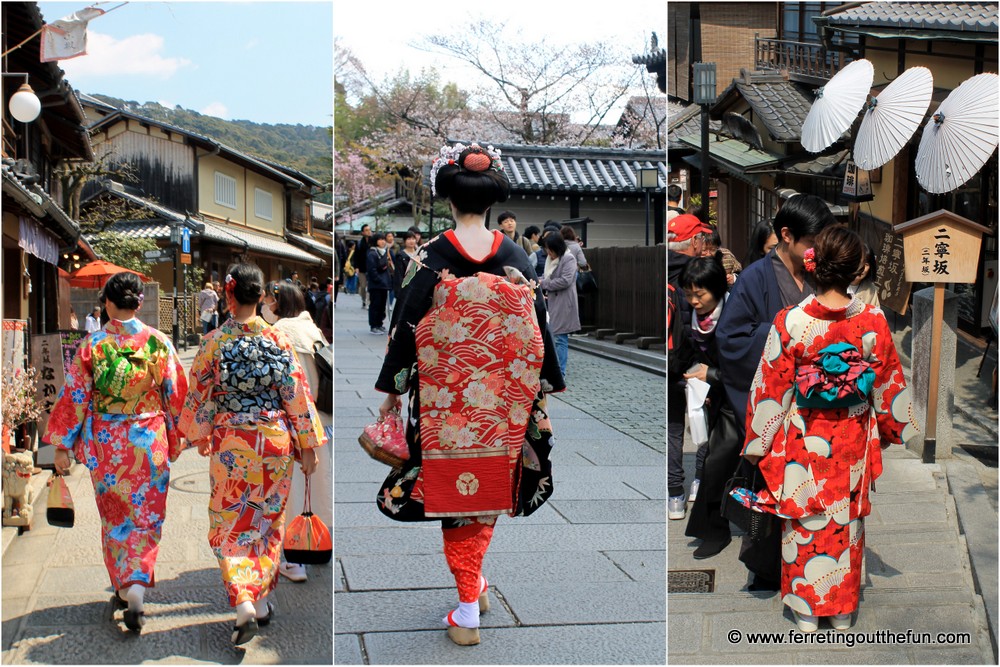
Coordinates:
586 283
324 370
757 525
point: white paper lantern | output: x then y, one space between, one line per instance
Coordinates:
24 104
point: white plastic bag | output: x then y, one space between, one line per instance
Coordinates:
696 392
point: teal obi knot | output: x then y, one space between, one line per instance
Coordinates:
838 378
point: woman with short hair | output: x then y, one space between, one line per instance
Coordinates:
559 283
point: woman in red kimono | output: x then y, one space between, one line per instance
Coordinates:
117 412
828 396
249 407
473 352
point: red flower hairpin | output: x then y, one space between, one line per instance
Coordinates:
809 260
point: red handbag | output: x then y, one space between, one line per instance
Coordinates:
307 539
385 440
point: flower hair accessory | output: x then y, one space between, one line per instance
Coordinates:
142 297
809 260
230 289
479 160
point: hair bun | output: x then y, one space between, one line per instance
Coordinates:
477 161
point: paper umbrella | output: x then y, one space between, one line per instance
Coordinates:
893 117
960 136
837 105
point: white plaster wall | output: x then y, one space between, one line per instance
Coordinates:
617 221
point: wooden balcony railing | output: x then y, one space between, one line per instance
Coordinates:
802 60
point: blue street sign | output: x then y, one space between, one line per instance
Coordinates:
186 240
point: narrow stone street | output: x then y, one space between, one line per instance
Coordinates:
56 592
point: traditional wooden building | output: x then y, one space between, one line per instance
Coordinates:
239 206
955 41
596 190
37 230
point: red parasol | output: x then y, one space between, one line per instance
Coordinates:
95 274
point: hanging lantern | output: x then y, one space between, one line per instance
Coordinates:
857 184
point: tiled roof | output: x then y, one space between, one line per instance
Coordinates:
949 16
733 154
214 232
685 119
578 169
38 202
311 244
780 105
832 165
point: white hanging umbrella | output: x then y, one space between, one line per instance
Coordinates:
837 105
960 136
893 117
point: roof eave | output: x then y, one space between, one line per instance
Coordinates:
919 34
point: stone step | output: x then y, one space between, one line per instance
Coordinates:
887 596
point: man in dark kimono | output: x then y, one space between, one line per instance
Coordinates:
762 290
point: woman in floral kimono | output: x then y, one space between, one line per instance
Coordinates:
250 408
476 374
117 412
828 396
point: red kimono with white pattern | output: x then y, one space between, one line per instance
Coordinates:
819 462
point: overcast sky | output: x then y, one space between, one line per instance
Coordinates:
383 42
268 62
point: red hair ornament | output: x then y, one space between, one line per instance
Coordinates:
809 260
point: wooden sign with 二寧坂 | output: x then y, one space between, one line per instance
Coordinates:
941 247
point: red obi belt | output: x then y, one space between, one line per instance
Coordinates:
479 357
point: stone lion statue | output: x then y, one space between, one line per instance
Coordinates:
18 503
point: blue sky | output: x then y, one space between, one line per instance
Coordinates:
268 62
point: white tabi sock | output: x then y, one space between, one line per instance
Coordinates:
134 596
466 616
260 607
244 612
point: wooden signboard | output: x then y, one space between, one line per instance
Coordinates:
47 358
941 247
890 280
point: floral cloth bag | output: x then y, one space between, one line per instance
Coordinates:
479 356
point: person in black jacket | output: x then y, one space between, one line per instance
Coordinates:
340 248
705 284
361 262
379 283
763 289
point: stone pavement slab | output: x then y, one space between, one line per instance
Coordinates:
611 644
918 577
